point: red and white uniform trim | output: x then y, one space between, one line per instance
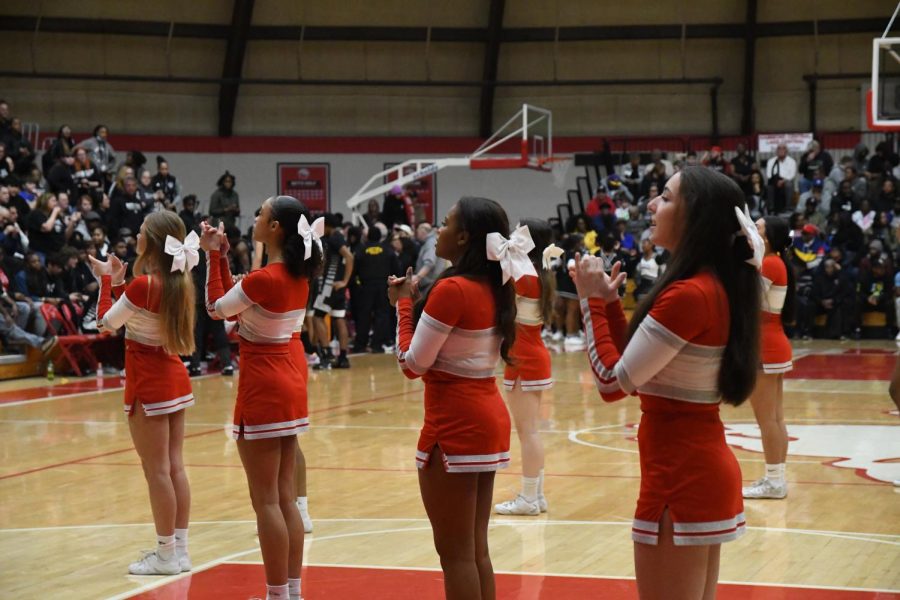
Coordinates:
455 348
672 362
777 354
268 304
531 361
155 379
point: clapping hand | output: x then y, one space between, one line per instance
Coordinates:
591 280
400 287
211 237
99 267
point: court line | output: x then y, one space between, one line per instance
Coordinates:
85 393
581 576
503 473
190 435
76 461
855 535
222 560
228 425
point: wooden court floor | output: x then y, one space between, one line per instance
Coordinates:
74 507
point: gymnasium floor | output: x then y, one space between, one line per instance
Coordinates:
75 512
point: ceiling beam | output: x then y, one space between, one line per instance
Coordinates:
362 82
438 34
489 73
747 110
234 64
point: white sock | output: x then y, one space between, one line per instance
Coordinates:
775 473
277 592
165 546
530 487
181 540
302 503
294 587
540 483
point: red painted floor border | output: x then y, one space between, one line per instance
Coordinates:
243 581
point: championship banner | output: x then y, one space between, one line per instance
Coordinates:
795 142
425 189
308 182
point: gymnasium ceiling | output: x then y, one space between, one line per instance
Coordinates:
465 43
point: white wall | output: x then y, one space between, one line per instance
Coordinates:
522 192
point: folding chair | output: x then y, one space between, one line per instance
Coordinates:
72 344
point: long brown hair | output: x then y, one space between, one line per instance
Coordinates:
176 307
709 241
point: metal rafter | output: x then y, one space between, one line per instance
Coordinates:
749 68
489 74
438 34
234 64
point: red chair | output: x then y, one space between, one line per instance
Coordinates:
74 346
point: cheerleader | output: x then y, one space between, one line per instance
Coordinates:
529 375
157 310
692 343
452 338
767 398
271 403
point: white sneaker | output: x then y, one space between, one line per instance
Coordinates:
152 564
312 359
519 506
542 503
184 561
546 332
388 349
304 516
575 343
557 336
765 488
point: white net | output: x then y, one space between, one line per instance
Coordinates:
560 169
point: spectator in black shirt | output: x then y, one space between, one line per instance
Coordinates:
62 146
166 183
47 231
632 174
61 178
126 210
20 149
189 213
810 164
373 213
373 263
742 168
7 166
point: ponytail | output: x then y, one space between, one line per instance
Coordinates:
287 210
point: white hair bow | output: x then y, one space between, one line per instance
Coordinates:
184 255
512 253
311 234
749 231
551 253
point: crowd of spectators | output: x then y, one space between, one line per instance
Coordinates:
844 217
78 199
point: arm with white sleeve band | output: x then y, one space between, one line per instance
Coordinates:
418 346
111 317
219 303
619 372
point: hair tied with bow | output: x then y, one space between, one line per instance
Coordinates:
311 234
185 255
551 253
749 232
512 253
